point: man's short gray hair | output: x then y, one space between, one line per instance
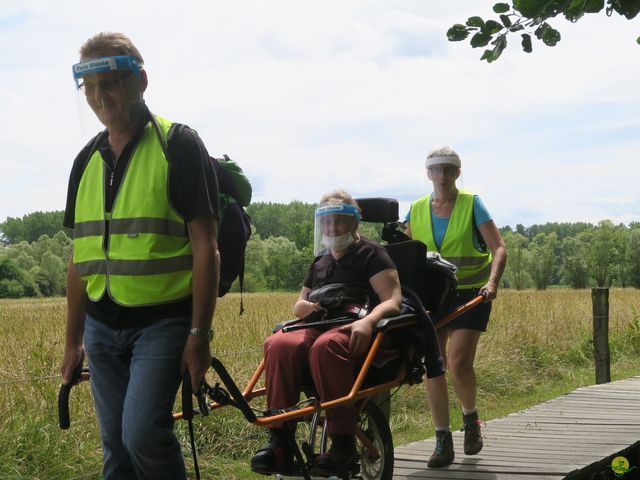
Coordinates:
106 44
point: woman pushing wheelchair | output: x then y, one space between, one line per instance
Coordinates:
345 263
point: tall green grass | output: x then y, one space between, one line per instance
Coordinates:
538 346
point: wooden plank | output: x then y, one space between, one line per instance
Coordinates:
492 454
569 433
435 474
515 468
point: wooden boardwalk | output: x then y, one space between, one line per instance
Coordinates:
545 442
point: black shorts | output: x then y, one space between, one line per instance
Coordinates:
475 319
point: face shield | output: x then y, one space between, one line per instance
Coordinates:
108 89
334 227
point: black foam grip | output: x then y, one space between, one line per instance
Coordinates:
187 396
64 419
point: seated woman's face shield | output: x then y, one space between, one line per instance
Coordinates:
108 88
335 227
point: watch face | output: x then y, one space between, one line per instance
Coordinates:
196 332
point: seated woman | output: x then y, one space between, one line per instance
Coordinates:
332 356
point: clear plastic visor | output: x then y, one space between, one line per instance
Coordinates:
334 227
86 72
105 93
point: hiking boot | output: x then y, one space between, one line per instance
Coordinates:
341 460
472 436
275 456
443 454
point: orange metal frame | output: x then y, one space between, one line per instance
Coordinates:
354 395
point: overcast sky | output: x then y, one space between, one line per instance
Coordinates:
312 96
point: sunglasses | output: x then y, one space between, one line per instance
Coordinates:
438 170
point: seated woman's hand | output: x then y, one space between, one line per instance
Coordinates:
361 331
302 308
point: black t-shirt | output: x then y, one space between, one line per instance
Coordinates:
362 261
193 191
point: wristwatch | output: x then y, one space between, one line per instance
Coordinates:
197 332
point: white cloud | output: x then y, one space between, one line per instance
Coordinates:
308 97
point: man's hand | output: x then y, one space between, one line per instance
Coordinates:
361 331
196 357
72 358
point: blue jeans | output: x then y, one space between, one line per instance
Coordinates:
135 374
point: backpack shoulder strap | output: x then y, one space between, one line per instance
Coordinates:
476 230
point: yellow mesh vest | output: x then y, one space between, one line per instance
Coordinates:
457 246
148 259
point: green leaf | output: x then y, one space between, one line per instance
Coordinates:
593 6
628 8
486 55
551 37
540 31
480 40
575 10
457 33
506 21
475 22
491 27
526 43
517 27
501 7
638 40
501 44
530 8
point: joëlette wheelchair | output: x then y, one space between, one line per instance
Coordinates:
426 286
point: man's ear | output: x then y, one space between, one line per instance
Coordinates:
144 80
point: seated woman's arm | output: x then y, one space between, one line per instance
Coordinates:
386 284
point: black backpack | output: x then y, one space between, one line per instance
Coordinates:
234 227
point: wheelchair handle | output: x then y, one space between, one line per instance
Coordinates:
459 311
64 419
187 396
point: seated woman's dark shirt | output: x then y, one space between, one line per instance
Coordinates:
362 261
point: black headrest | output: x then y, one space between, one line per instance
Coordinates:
382 210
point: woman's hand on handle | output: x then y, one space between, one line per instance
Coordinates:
489 291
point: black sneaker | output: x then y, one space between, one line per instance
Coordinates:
275 456
443 455
472 436
341 460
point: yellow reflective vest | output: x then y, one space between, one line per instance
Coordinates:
147 258
474 266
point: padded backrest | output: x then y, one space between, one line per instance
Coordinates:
433 285
410 259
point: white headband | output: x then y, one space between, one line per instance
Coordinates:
450 159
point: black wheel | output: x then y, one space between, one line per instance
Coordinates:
373 423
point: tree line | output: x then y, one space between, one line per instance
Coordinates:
34 251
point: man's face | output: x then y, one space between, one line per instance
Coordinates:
115 96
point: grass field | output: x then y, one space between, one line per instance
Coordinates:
537 347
